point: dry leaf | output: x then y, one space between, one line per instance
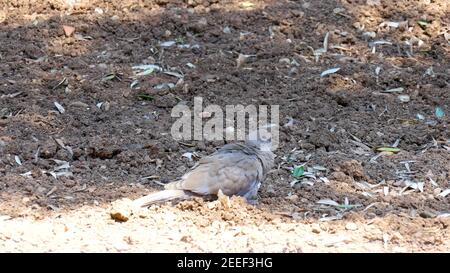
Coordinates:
59 107
241 59
328 202
13 95
51 191
167 43
404 98
373 2
68 30
394 90
329 71
447 37
18 161
325 42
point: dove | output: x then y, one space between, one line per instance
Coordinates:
234 169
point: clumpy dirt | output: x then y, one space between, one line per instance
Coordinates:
62 172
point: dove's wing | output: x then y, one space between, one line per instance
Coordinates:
234 172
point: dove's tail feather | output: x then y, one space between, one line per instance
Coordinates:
162 196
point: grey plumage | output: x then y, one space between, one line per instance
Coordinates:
235 169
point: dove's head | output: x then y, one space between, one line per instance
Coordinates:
264 137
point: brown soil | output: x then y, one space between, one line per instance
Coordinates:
335 122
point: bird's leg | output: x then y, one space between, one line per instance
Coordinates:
252 195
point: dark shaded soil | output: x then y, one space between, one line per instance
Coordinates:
335 122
